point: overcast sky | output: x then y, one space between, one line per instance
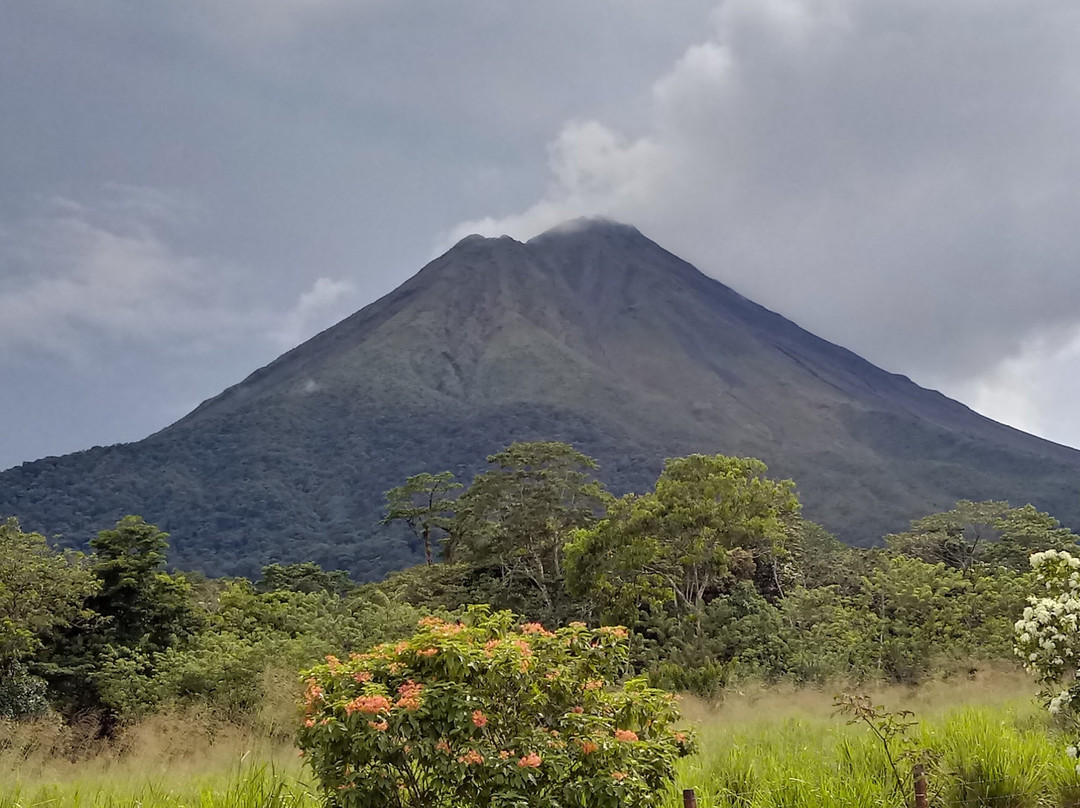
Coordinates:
189 189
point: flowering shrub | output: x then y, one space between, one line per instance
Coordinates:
487 713
1048 635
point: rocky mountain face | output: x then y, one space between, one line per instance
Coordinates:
590 333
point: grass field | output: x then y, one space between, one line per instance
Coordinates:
991 744
760 748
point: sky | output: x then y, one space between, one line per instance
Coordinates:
187 190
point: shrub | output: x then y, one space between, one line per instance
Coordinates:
483 713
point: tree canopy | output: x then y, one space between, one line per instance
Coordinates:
710 521
425 504
983 533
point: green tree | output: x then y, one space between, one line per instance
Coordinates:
988 533
305 577
425 505
710 521
144 607
41 591
137 611
931 615
519 514
250 649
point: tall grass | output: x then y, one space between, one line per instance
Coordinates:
760 748
991 747
259 786
168 761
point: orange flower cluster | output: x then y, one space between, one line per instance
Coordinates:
536 628
409 696
312 694
372 705
503 755
362 676
615 631
443 746
578 710
479 719
593 684
490 646
428 652
619 775
625 735
381 726
333 662
526 653
530 761
680 737
588 747
440 626
471 758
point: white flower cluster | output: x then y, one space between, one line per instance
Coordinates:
1048 635
1062 699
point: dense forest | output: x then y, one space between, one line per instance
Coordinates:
714 571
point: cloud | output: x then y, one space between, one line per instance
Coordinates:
900 177
80 276
1036 390
315 309
83 279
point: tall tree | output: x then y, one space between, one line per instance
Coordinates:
425 505
41 592
137 612
144 607
710 521
982 533
519 514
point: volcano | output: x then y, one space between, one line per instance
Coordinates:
589 333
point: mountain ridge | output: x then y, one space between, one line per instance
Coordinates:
590 333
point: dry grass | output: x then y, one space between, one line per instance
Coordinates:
175 758
761 746
987 685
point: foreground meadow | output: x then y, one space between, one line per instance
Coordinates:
760 748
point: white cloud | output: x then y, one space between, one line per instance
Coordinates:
900 177
314 310
1037 390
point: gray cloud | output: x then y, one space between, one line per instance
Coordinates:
900 177
98 306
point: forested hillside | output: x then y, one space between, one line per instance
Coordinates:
714 571
589 334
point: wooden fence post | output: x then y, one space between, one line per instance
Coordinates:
689 798
918 773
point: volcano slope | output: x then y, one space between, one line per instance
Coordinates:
590 333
